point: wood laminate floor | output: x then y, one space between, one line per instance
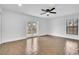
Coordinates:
48 45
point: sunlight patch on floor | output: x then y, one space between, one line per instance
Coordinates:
71 48
32 46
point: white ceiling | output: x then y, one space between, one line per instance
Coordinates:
35 9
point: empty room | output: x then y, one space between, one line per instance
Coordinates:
39 29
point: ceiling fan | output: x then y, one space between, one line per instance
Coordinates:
48 11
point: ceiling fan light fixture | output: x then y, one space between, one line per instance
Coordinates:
20 4
47 13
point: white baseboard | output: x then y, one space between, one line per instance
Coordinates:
10 40
65 37
21 38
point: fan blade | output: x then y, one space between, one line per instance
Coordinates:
43 10
42 13
52 9
53 12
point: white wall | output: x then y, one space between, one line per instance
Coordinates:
0 28
14 25
58 26
42 26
